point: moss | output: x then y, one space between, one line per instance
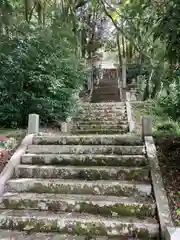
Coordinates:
89 229
86 189
20 203
37 160
118 210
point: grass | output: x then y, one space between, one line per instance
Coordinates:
162 124
9 132
18 134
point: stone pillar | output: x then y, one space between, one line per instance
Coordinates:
128 96
146 126
64 127
33 123
172 233
124 73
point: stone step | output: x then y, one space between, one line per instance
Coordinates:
100 187
101 126
96 100
101 130
101 118
97 105
112 97
85 160
103 122
84 173
128 140
96 205
74 223
109 111
15 235
87 149
98 92
107 88
120 103
89 114
105 85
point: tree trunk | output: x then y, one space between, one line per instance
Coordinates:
119 49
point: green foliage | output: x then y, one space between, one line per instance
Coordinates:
39 73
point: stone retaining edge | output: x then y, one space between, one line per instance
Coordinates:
129 113
164 213
8 170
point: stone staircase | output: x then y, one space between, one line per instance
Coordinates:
100 118
82 186
107 90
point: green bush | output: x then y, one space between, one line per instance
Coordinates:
39 73
170 101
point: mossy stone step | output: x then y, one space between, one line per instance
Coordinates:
15 235
97 205
100 131
87 149
115 139
74 223
102 111
84 160
104 99
103 122
94 105
82 172
102 127
105 108
99 187
112 117
113 114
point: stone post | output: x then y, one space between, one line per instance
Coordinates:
124 72
146 126
33 123
64 127
128 96
172 233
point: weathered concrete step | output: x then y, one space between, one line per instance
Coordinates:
128 140
97 205
74 223
102 92
107 88
104 98
100 187
103 104
15 235
106 91
108 112
100 127
101 118
102 114
106 85
84 173
87 149
114 122
85 160
100 131
96 100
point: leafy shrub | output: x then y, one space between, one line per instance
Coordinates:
39 73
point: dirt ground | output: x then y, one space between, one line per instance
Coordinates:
168 149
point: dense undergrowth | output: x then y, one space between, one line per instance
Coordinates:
40 72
